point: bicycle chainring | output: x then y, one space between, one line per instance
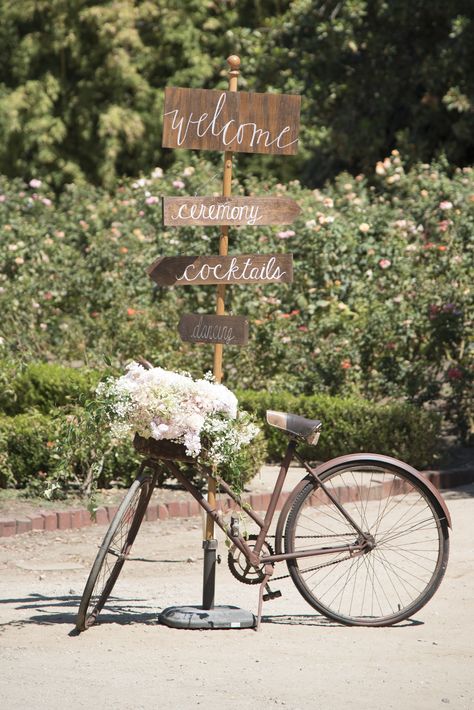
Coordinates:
241 568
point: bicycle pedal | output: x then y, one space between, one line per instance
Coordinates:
271 595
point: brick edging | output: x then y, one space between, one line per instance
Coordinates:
80 517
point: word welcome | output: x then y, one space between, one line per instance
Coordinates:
234 121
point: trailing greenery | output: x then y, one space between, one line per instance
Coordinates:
82 82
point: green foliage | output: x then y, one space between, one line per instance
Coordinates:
381 304
26 441
67 450
81 90
350 425
44 386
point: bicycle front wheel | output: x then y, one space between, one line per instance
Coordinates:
114 551
408 552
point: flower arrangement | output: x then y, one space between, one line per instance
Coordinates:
160 404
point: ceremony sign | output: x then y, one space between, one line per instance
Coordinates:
243 269
232 211
206 119
228 330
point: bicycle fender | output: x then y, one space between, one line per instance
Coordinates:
362 458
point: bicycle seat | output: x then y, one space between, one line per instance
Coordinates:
308 429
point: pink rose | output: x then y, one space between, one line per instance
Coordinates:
385 263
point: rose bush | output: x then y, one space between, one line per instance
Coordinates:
380 306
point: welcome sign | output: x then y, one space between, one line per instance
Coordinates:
243 122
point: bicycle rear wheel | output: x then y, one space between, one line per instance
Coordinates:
387 583
114 550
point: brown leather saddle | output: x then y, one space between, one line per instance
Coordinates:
307 429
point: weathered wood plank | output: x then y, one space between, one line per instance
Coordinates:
205 119
243 269
229 330
207 211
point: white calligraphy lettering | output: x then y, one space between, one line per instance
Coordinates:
227 132
269 271
213 333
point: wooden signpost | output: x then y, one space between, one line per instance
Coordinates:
205 270
228 121
232 211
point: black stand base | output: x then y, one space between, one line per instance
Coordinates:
195 617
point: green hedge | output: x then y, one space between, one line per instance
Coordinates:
352 424
34 445
43 386
25 449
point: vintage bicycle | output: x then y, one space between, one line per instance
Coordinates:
365 537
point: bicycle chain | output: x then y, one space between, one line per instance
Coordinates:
313 569
324 564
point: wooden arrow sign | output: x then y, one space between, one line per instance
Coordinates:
206 211
235 121
229 330
243 269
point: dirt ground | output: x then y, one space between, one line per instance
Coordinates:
297 660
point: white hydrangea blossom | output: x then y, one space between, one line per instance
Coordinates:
162 404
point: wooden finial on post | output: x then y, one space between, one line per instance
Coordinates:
234 62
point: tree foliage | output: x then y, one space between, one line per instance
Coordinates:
82 81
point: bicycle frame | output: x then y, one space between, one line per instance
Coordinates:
253 555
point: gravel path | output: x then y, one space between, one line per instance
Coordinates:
298 660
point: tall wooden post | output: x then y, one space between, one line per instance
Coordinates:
210 544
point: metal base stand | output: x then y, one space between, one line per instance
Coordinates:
208 616
195 617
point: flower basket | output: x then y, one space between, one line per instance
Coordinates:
164 449
176 418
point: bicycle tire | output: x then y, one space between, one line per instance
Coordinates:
117 544
396 578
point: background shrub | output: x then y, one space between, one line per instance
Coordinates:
381 304
44 386
26 442
63 447
351 425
